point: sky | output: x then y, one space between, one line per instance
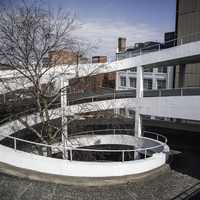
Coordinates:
103 21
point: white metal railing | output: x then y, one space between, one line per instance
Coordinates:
142 151
126 92
156 136
114 94
174 42
131 94
95 132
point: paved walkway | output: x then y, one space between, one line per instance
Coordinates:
167 186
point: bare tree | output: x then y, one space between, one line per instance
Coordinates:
28 32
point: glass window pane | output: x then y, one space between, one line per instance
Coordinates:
148 84
161 84
123 81
132 82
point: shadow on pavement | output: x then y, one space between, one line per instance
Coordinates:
187 162
192 193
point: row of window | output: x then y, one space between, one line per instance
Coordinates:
160 69
148 83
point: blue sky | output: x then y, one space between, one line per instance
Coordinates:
103 21
106 20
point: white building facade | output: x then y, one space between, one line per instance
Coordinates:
154 79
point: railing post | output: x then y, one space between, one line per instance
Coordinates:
157 137
122 156
145 153
181 42
15 144
71 158
114 131
4 98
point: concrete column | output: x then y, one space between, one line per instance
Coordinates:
117 82
181 76
154 80
139 95
64 108
170 76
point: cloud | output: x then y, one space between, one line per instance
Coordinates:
104 33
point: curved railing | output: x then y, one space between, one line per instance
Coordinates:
145 152
79 98
155 136
115 94
192 91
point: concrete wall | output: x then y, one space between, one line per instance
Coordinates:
76 168
188 23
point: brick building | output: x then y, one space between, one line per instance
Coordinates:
62 57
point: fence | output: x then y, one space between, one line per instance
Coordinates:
30 146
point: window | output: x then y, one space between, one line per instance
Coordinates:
122 111
123 81
148 84
134 69
131 113
161 84
132 82
148 69
162 69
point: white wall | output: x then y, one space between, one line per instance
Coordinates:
76 168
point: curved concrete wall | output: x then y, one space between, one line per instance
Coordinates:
76 168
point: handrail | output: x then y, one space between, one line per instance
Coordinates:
71 149
127 92
102 95
157 136
100 130
181 92
176 40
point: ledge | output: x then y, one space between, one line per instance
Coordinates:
83 181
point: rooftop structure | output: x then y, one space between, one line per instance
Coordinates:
99 59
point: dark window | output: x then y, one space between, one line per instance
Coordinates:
161 84
132 82
148 69
123 81
162 69
148 84
134 69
